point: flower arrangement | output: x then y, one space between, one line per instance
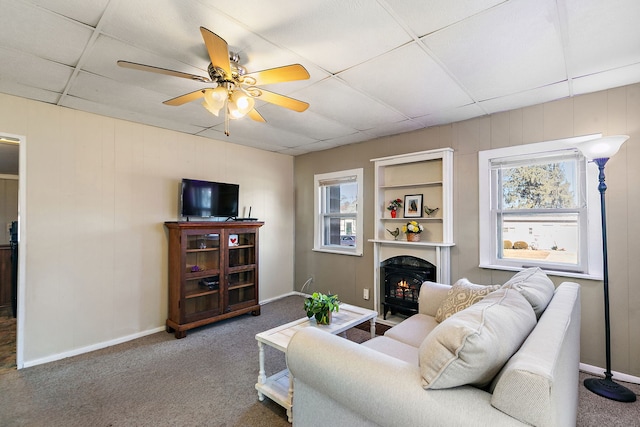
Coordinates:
412 227
394 205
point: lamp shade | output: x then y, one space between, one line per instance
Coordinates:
240 104
601 148
214 99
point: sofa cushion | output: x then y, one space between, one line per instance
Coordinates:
412 331
462 294
394 348
535 286
471 346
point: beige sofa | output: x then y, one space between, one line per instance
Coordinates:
469 369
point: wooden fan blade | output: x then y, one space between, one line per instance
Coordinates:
283 101
279 74
253 114
142 67
187 97
218 50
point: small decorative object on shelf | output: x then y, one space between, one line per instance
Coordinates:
412 229
320 306
394 205
413 206
430 211
395 233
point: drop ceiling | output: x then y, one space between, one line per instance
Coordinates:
377 68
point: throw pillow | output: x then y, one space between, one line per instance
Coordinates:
472 346
462 294
535 286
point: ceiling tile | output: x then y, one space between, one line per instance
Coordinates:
334 99
426 90
427 16
606 80
29 70
498 53
324 32
526 98
86 11
41 33
601 40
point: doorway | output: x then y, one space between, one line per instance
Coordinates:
12 189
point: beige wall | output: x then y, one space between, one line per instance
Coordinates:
97 193
611 112
8 206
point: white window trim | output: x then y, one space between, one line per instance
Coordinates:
487 242
317 231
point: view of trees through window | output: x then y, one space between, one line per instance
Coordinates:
539 211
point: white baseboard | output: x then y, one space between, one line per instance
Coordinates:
89 348
596 370
288 294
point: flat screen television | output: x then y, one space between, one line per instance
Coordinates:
205 199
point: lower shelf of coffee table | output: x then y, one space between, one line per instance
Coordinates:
276 388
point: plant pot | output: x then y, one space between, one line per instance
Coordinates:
323 318
413 237
393 214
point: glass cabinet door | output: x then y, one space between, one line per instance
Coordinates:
242 276
201 293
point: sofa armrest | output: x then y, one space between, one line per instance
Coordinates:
431 296
375 388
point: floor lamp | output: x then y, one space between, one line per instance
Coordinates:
599 151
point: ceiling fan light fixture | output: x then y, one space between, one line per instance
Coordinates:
214 99
240 104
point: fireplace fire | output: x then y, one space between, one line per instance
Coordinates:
402 277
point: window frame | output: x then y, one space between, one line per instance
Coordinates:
356 175
589 233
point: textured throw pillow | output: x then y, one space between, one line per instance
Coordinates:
472 346
462 294
535 286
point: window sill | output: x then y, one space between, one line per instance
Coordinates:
570 274
351 252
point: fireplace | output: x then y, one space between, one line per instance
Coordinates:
401 278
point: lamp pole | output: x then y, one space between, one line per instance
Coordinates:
606 387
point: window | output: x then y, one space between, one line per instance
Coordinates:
338 218
539 207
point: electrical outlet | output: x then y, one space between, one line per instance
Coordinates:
365 293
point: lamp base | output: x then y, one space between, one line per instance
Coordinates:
605 387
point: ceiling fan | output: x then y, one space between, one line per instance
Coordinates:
233 88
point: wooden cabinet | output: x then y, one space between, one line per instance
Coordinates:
213 272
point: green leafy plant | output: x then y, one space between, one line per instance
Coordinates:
320 305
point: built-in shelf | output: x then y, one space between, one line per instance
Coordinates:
427 173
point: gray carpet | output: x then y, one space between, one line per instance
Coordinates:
206 379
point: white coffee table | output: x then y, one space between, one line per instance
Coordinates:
279 387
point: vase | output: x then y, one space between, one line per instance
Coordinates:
324 318
393 214
413 237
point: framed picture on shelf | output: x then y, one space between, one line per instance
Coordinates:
413 206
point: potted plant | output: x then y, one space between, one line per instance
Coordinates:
394 205
321 306
413 230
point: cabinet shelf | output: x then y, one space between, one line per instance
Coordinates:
202 250
191 275
201 293
240 285
230 271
